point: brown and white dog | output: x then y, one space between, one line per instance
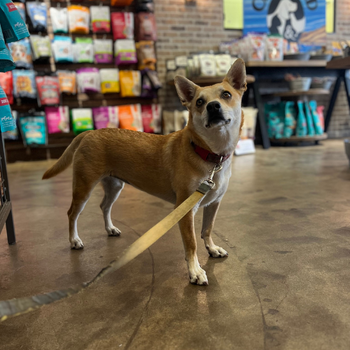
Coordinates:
170 167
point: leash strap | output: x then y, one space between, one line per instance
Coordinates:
16 307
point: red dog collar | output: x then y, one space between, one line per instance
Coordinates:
208 156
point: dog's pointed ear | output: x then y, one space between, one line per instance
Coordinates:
236 76
185 89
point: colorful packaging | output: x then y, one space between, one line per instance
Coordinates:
103 49
316 118
6 120
320 115
6 82
223 64
48 90
153 77
83 50
21 54
88 80
130 117
21 9
37 12
151 118
78 19
309 120
33 129
100 19
12 24
6 61
24 84
12 134
257 46
41 47
106 117
82 120
59 20
109 80
67 82
57 119
301 121
130 83
147 90
145 24
146 55
125 52
62 47
289 119
122 25
274 48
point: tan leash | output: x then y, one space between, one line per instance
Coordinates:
16 307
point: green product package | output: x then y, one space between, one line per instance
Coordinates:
315 117
82 120
289 119
83 50
309 122
301 122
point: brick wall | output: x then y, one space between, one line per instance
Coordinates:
183 29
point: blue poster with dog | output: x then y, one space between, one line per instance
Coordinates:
302 21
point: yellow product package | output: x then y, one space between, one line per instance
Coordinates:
130 83
109 80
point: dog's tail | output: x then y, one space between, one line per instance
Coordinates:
66 159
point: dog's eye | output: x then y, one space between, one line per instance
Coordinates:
199 102
226 94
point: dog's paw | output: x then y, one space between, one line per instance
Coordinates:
198 276
76 243
217 252
113 231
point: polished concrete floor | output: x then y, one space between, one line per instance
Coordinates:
285 222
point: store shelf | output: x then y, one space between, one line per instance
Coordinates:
339 63
204 81
293 93
286 63
297 139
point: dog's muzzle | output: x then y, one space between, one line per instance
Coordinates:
215 114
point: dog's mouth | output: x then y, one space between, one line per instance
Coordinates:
217 119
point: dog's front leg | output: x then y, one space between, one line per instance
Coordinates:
197 274
209 215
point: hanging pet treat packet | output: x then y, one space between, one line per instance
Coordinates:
106 117
59 20
83 50
109 80
125 52
151 118
103 50
48 90
208 65
146 88
21 54
153 77
88 80
257 45
146 56
57 119
62 47
100 19
130 83
12 134
24 84
6 82
67 82
78 19
6 120
130 117
82 120
37 12
33 130
12 24
145 24
6 61
223 64
122 25
274 48
21 9
41 47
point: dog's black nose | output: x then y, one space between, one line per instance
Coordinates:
214 106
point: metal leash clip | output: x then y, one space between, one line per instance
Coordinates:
209 184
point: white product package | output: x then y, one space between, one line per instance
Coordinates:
207 64
59 20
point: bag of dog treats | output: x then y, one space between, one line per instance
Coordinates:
6 82
106 117
88 80
41 47
151 118
122 25
48 90
121 2
37 12
223 64
103 49
21 9
125 52
153 77
78 19
67 82
6 120
130 117
82 120
145 55
208 65
109 80
57 119
24 84
274 48
21 54
146 89
145 24
59 20
33 129
130 83
13 26
100 19
62 47
83 50
6 61
12 134
257 45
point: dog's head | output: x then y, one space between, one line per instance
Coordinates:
217 106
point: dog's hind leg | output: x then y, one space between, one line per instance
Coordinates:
112 187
